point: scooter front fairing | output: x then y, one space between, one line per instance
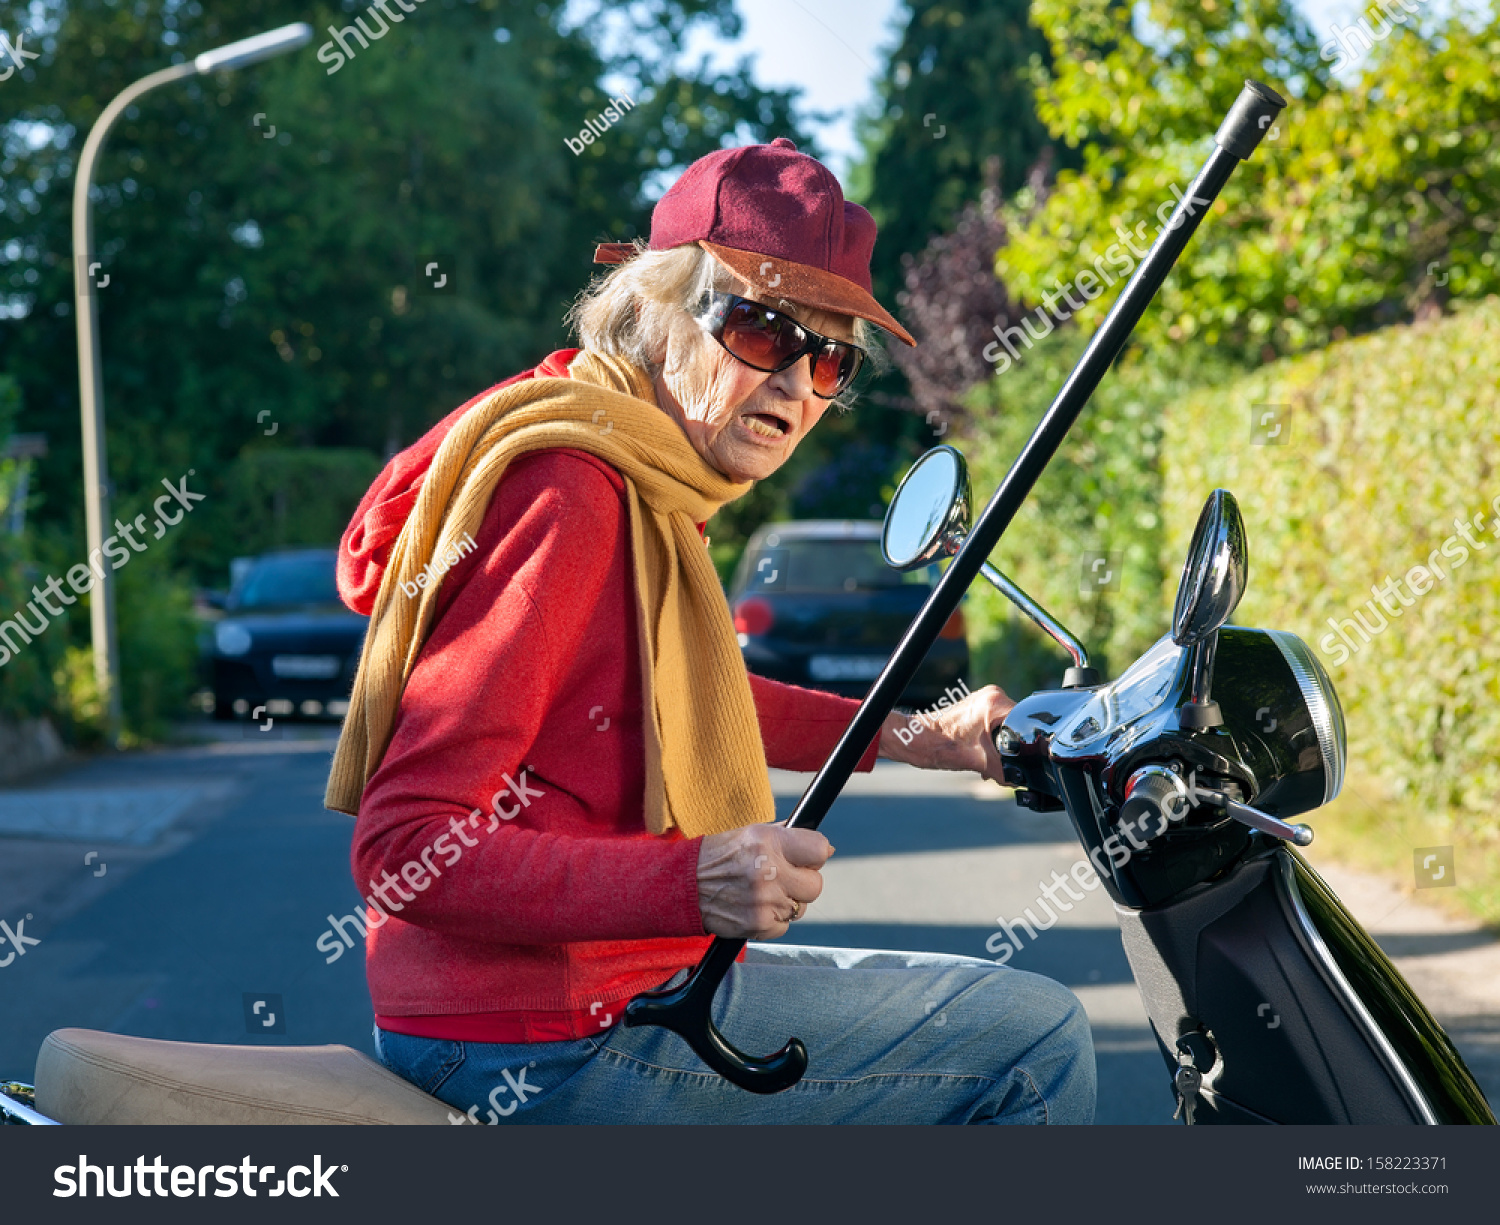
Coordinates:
1286 1007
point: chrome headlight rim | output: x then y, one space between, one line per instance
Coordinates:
1323 706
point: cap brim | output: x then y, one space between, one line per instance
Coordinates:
809 286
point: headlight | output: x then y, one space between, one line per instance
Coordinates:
1322 705
232 638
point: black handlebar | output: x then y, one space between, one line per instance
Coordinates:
687 1009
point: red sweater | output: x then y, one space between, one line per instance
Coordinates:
504 830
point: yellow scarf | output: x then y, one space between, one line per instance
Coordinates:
705 763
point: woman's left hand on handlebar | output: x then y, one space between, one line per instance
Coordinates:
956 737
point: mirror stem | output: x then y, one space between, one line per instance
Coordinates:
1080 675
1201 711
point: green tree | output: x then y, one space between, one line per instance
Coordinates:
1359 202
268 322
1098 501
266 232
952 96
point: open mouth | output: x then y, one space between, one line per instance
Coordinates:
765 425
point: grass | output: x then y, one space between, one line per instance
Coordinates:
1369 829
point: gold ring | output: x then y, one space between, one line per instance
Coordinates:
796 911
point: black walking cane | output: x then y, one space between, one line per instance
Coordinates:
686 1009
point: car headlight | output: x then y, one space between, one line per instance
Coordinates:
1322 706
232 638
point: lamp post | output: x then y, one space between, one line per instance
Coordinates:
86 308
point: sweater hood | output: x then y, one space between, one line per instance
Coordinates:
366 545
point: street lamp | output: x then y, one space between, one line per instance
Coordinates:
86 307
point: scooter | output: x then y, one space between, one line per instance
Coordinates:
1180 791
1180 779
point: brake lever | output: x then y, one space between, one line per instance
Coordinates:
1298 835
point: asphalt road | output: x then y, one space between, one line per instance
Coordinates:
170 891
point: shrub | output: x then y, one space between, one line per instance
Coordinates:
25 691
156 636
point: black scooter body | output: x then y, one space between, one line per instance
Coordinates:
1246 961
1291 1011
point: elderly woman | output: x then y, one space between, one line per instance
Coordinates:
557 759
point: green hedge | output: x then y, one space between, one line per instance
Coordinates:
1389 439
1385 441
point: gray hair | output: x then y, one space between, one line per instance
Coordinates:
627 312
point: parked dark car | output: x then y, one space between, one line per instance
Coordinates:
286 642
815 604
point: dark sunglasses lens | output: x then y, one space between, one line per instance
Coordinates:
758 337
834 370
766 340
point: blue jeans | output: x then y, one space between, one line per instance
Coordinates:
892 1037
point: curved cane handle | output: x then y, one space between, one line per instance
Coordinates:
687 1011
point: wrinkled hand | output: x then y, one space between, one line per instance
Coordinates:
748 879
957 737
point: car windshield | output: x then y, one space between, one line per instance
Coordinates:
280 582
826 565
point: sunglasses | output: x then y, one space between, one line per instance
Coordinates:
770 341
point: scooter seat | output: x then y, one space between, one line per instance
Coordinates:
85 1076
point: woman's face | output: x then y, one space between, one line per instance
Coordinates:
744 422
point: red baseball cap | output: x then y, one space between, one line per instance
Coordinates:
777 219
